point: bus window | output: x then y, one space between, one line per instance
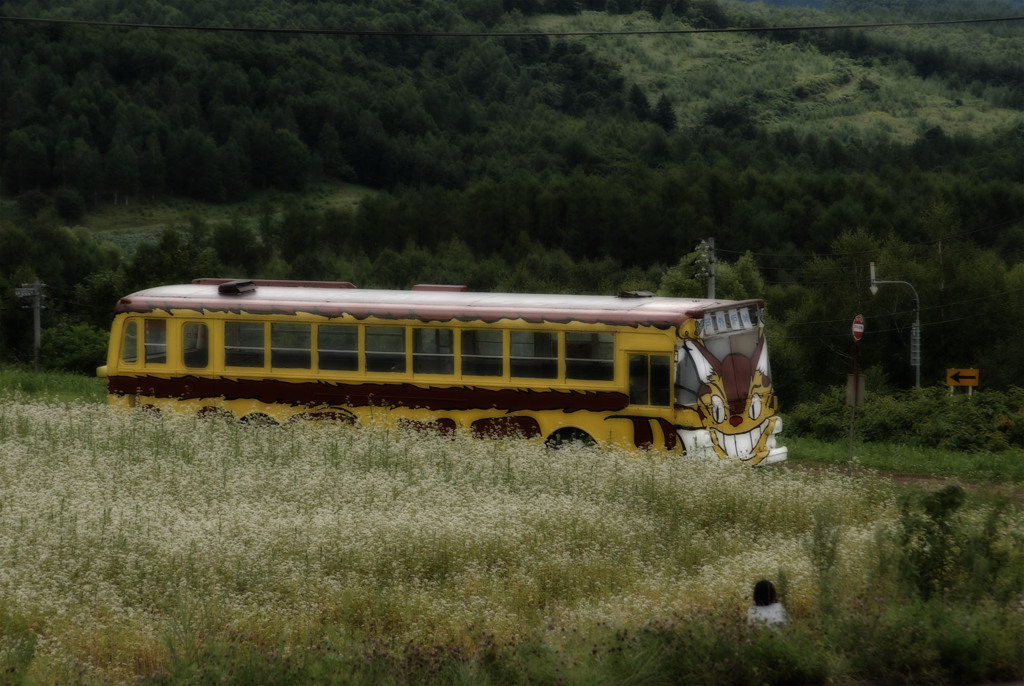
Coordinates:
195 345
589 356
290 346
385 349
155 341
482 352
337 347
650 379
243 344
534 354
433 351
130 344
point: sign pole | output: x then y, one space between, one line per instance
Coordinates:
962 377
853 405
37 292
856 399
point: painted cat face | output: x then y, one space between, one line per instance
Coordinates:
735 402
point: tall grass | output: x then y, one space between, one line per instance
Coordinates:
137 546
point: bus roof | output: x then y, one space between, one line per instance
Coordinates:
425 303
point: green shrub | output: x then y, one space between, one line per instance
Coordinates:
827 419
76 348
70 205
926 417
935 641
17 646
930 540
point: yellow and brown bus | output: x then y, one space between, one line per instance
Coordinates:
630 370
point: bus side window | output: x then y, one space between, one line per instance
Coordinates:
289 346
243 344
155 341
483 352
650 379
534 354
433 351
130 343
589 356
195 345
385 349
337 347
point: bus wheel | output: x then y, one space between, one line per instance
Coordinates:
209 412
259 419
570 437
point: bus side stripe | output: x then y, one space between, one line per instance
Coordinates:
368 394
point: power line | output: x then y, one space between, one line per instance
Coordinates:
941 306
874 331
961 234
507 34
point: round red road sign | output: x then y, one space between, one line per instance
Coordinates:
858 327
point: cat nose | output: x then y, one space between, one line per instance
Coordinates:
735 420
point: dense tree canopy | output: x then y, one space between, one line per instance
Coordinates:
525 162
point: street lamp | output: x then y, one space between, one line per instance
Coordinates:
915 331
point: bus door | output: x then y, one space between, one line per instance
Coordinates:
650 379
650 399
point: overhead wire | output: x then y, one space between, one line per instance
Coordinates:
826 323
509 34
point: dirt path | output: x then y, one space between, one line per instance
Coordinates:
925 482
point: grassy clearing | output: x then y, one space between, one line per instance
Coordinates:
1001 466
792 85
135 547
22 383
126 225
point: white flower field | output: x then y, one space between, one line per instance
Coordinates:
129 538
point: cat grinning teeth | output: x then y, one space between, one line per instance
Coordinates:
740 445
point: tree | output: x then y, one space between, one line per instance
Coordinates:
233 165
290 161
192 165
740 280
238 246
70 205
638 103
73 347
121 168
96 295
30 204
664 115
333 160
688 278
152 171
85 169
27 164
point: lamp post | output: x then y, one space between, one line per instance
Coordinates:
915 331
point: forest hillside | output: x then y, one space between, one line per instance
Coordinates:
584 146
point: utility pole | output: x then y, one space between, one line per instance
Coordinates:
915 331
34 291
711 269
